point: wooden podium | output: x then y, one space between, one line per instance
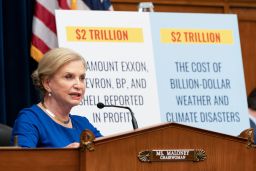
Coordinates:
125 152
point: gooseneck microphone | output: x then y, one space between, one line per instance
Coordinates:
134 122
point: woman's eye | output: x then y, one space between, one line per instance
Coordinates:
82 78
68 76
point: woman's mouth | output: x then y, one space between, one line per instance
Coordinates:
76 96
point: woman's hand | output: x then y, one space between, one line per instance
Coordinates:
73 145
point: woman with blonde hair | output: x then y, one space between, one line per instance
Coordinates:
60 77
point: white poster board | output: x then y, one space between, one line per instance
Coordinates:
163 66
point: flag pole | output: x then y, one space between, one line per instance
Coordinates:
73 4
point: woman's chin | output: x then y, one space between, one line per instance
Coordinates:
74 102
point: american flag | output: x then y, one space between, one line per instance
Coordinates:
44 34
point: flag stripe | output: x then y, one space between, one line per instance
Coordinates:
50 5
81 5
45 16
44 33
63 4
38 43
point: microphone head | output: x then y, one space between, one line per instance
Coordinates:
100 105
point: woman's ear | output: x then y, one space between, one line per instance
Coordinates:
46 85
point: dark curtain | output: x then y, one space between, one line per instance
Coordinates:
16 65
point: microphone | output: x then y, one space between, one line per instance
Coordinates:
134 122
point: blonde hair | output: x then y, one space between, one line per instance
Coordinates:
51 62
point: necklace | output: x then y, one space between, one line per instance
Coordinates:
54 116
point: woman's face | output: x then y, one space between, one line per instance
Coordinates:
67 85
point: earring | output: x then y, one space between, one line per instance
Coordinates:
49 94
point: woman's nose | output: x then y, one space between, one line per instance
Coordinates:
78 83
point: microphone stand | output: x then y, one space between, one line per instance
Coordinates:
134 122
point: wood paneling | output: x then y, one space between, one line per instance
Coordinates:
245 9
222 150
120 152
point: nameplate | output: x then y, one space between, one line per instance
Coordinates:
194 155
